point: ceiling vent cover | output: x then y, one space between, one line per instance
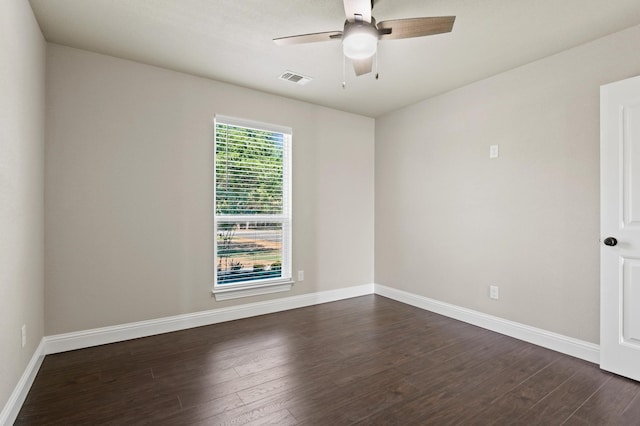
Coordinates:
295 78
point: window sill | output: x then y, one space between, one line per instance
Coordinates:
253 290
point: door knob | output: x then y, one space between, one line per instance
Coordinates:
610 241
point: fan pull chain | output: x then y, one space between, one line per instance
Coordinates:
376 64
344 72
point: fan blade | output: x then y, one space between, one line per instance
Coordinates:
357 10
415 27
362 66
308 38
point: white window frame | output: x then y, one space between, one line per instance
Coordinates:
269 285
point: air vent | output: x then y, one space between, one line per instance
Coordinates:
295 78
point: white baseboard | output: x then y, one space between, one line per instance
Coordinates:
100 336
557 342
11 409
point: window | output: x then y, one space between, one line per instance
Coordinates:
252 208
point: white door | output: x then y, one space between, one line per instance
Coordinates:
620 228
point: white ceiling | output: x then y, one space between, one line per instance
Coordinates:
230 41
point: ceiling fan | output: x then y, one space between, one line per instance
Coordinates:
361 33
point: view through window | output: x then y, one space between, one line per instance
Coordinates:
252 203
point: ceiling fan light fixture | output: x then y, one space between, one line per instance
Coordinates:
360 40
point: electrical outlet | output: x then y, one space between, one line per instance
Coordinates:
494 292
300 275
24 335
494 151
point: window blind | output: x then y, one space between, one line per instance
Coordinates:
252 202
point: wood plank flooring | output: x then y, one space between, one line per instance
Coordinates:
362 361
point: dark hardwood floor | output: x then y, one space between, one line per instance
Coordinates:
365 361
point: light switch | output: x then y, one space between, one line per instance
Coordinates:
494 151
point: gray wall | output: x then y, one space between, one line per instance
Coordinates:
450 221
22 68
129 184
